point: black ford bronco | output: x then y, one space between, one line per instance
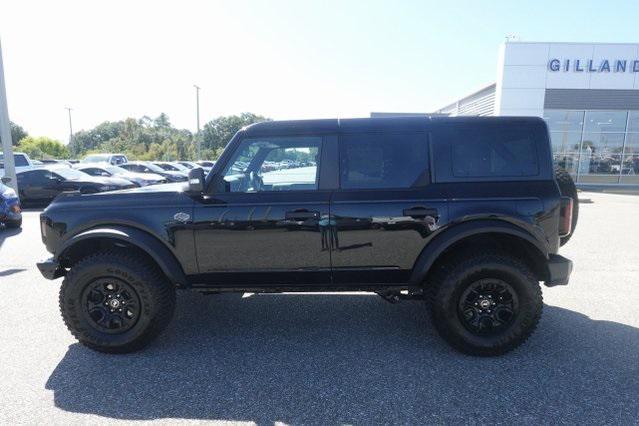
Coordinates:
467 214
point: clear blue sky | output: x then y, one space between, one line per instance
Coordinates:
282 59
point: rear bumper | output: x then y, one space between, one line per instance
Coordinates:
50 269
560 269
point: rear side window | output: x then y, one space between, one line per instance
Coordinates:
487 151
378 161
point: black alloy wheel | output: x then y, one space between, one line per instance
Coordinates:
111 305
488 306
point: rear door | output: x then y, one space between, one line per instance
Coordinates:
263 227
386 207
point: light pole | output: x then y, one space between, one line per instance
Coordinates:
70 125
197 112
5 132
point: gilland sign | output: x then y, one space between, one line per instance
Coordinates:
589 65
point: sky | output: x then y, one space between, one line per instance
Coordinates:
299 59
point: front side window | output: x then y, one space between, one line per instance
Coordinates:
275 164
378 161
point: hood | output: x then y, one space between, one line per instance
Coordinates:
7 193
135 197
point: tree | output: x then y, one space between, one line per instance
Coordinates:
157 139
218 132
84 141
17 133
42 147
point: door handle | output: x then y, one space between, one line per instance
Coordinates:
420 212
301 215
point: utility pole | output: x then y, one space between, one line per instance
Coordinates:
5 132
70 124
197 111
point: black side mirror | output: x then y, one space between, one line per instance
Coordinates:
5 179
196 181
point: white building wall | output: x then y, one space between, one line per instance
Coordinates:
524 74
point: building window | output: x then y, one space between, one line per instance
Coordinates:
596 146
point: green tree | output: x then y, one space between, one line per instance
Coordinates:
218 132
17 133
42 147
156 138
84 141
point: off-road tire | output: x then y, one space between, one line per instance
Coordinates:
451 281
156 295
567 188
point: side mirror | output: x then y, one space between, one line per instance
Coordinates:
196 181
6 179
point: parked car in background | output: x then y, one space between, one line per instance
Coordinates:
114 159
40 186
107 170
50 161
10 210
172 166
21 160
146 167
206 163
192 165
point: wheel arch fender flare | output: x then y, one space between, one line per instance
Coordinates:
138 238
457 233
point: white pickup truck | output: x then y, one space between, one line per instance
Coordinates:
22 162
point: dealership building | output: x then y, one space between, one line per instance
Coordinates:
588 93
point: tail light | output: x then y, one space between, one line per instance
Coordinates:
565 216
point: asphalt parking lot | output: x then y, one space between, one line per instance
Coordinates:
326 359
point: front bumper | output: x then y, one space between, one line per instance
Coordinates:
51 269
559 269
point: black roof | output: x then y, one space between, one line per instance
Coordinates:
368 124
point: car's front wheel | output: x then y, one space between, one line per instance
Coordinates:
486 304
117 303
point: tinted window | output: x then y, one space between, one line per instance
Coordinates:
371 160
93 172
35 177
132 167
492 151
274 164
20 161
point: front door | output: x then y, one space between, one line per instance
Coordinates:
385 209
264 227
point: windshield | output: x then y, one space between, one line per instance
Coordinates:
115 170
153 167
179 167
70 174
168 167
96 158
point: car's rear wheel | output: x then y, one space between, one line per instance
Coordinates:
117 303
486 304
567 188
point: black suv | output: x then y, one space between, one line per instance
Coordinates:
465 213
